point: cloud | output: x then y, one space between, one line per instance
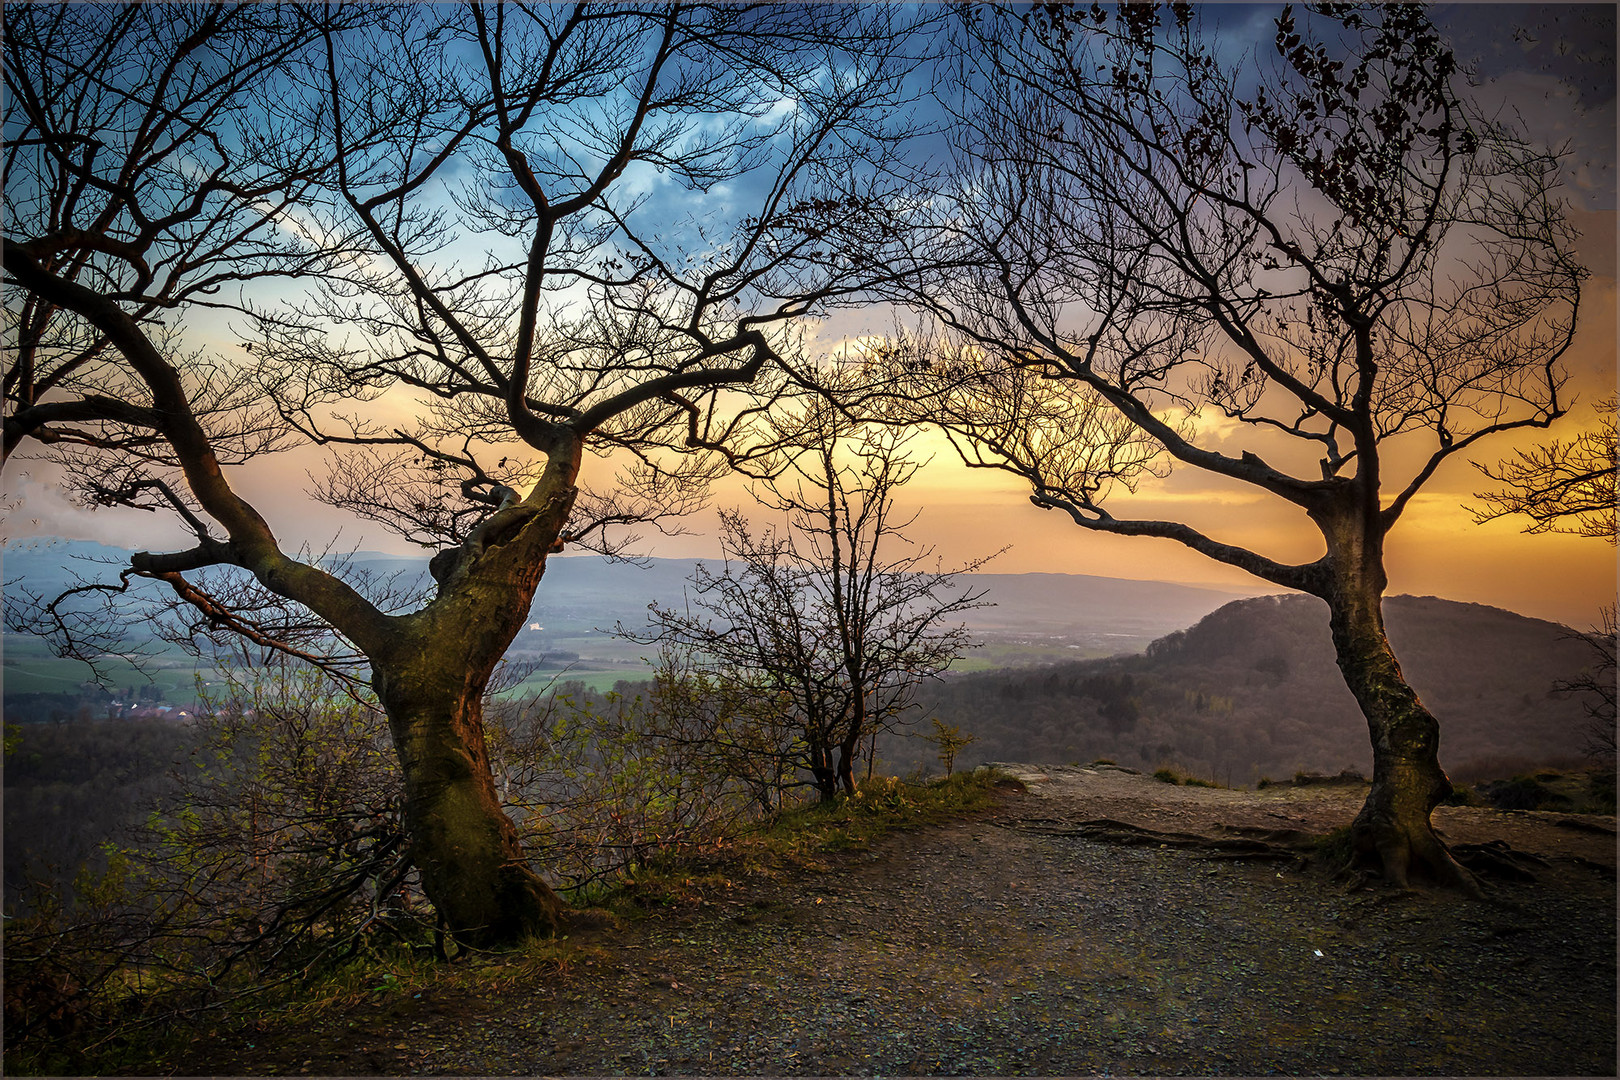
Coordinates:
38 507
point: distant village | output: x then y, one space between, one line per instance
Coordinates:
92 702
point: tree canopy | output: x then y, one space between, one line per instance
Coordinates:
462 247
1321 274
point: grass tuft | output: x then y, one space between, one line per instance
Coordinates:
801 837
1336 850
1176 776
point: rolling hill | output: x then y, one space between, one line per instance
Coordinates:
1247 689
1252 690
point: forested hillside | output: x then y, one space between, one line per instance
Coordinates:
71 787
1252 690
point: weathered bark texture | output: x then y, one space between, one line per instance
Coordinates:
466 848
1408 782
1393 832
431 679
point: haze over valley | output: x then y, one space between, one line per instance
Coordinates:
1070 669
1027 618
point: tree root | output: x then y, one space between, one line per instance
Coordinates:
1263 844
1497 859
1494 859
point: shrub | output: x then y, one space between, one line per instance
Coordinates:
603 784
1336 850
1523 792
950 741
1463 795
279 850
1600 789
1175 776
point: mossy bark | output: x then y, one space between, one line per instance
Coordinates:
1393 832
472 865
431 678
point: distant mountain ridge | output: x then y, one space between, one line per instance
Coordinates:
584 593
1252 690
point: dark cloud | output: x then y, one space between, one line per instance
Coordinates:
1573 43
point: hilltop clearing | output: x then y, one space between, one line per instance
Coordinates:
1009 943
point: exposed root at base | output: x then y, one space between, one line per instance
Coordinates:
1498 859
1467 863
1259 844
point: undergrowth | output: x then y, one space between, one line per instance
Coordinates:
1169 775
1336 850
798 838
401 967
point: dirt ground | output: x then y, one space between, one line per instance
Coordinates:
1090 792
1010 944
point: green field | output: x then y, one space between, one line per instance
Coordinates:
1005 654
593 676
30 668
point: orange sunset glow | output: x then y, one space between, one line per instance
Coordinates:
815 539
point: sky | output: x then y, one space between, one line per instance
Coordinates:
1551 65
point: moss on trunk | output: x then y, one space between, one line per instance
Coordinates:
431 678
467 850
1393 831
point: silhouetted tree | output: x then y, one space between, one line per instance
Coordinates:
1570 487
1595 685
1560 486
821 616
443 235
1333 253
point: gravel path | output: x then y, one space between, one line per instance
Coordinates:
989 947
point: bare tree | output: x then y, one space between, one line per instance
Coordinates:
1561 486
1569 487
1332 253
462 246
1596 685
821 616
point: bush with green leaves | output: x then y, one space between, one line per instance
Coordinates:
279 845
950 741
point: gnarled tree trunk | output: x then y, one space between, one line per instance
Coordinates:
1408 782
431 678
466 848
1393 831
